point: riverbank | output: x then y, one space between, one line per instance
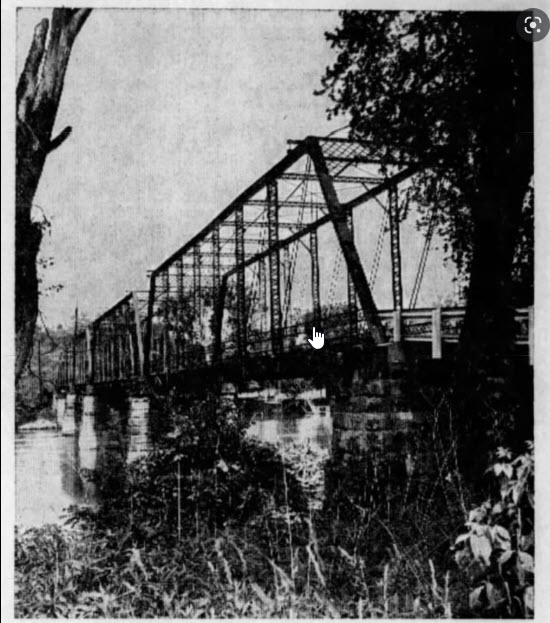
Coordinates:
34 418
213 524
40 423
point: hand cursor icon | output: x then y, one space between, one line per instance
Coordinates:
318 340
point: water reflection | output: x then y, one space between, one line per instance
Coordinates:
69 461
68 421
87 442
40 464
276 428
55 470
87 452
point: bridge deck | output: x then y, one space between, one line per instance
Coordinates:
228 294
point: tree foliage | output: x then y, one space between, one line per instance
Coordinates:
452 91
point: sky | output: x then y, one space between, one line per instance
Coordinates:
174 113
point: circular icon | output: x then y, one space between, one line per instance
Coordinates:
532 25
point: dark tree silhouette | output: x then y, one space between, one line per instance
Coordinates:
453 91
38 94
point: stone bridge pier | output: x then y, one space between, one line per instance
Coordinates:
68 418
380 425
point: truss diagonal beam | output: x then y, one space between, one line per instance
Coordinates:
339 216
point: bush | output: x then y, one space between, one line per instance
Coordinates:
213 524
497 551
206 472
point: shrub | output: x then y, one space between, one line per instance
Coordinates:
496 552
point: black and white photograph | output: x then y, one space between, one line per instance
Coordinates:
272 348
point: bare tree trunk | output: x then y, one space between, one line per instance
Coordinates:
38 94
487 398
497 205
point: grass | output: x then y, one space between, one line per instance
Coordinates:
215 525
78 573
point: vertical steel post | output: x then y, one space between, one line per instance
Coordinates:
112 353
397 325
98 358
241 292
105 350
197 293
352 298
274 268
393 210
531 335
40 382
126 331
106 355
148 343
139 335
216 250
315 280
124 343
166 337
437 340
218 320
121 324
179 314
216 276
131 355
64 366
102 359
74 344
263 283
90 347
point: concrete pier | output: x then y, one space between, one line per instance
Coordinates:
58 407
68 422
87 440
138 427
88 405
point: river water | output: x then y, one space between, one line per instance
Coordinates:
51 468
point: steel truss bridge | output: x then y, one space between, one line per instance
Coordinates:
242 296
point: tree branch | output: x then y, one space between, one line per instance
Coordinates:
60 138
65 25
27 85
77 20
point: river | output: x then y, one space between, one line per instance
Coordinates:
51 468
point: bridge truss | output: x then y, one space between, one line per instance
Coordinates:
227 296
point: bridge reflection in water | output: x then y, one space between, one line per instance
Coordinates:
53 471
283 430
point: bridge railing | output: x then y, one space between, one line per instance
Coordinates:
443 325
225 294
114 362
434 326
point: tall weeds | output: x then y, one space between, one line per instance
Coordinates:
217 525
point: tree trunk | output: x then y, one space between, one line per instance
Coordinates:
487 338
485 352
38 94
